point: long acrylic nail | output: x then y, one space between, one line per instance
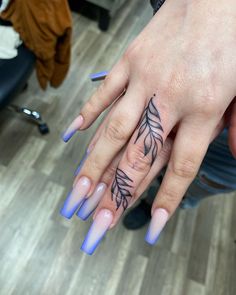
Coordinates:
91 203
98 76
158 221
71 130
97 231
76 197
85 156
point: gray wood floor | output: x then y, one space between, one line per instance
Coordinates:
39 250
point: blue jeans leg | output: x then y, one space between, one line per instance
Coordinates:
216 175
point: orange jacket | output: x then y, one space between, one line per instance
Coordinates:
45 27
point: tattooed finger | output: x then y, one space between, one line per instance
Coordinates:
151 127
142 151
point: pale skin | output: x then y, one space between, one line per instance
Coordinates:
186 56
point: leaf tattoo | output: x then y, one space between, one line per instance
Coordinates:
120 189
150 125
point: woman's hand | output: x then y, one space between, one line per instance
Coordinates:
179 75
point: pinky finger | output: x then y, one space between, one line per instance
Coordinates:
109 90
94 140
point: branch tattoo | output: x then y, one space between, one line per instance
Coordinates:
120 189
150 132
150 126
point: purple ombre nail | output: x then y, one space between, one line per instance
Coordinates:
158 222
97 231
68 213
67 136
76 197
98 76
90 204
71 130
85 156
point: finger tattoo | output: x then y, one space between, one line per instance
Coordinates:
120 189
150 126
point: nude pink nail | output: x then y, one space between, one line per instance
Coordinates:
76 197
158 222
71 130
91 203
97 231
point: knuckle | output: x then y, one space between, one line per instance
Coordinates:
115 131
136 159
131 52
170 195
208 105
208 100
89 108
185 168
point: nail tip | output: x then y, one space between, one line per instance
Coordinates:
65 214
151 241
86 251
66 137
81 216
90 249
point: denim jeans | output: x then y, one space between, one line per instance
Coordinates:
217 174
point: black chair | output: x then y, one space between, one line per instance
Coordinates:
14 74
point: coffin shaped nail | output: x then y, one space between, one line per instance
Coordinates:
158 222
71 130
76 197
97 231
91 203
98 76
